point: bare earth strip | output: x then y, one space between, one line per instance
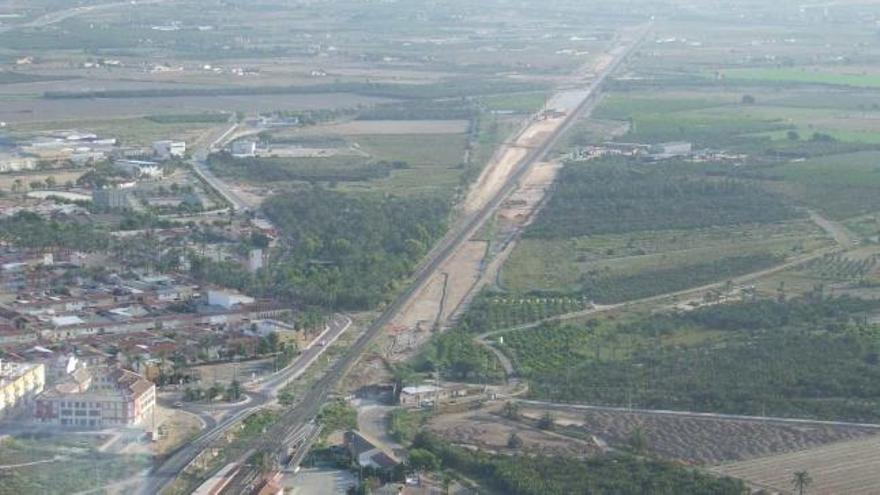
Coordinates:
846 467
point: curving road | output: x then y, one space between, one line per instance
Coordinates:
262 392
63 15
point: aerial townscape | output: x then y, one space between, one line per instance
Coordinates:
423 247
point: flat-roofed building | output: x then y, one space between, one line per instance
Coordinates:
113 397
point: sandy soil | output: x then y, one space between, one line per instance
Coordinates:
493 177
437 300
490 432
177 428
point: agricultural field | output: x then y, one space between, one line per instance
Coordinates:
407 164
142 131
841 186
616 231
695 440
843 467
495 311
802 358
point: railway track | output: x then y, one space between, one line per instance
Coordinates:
308 408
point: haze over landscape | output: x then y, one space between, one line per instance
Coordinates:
439 247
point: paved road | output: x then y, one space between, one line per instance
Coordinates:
296 417
842 235
262 392
63 15
199 163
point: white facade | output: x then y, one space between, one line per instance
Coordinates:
140 168
244 148
169 149
19 384
227 299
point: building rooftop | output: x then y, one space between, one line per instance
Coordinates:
420 389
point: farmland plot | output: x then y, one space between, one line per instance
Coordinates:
845 467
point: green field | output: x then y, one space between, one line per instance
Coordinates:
515 102
805 75
853 169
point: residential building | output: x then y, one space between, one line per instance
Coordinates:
16 163
112 397
671 150
429 395
20 383
227 299
244 148
166 150
139 168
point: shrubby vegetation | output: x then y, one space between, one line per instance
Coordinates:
610 198
458 357
608 474
337 416
404 424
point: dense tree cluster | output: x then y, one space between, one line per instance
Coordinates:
607 474
458 357
30 230
347 251
610 198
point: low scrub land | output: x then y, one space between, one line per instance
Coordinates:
534 475
58 466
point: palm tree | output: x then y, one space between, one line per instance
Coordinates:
801 481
